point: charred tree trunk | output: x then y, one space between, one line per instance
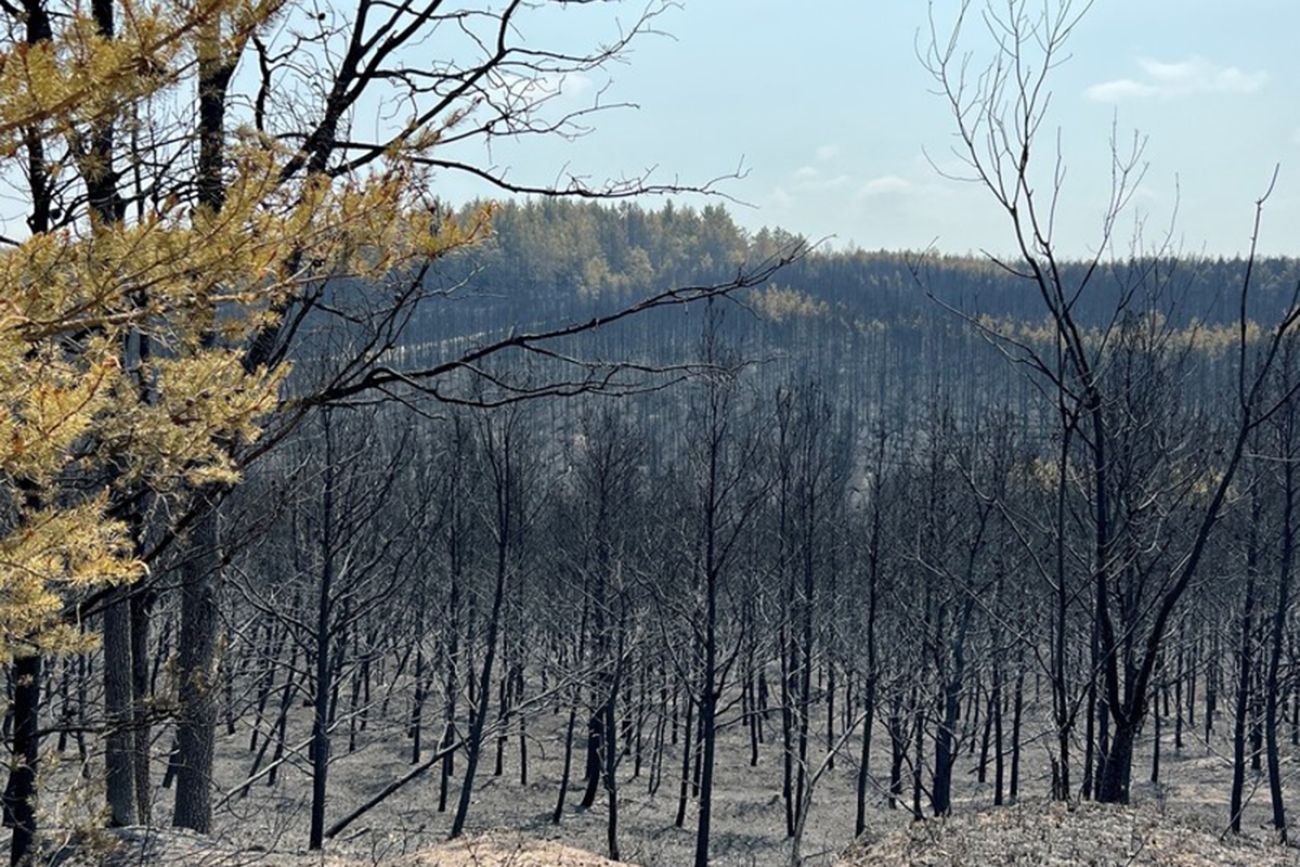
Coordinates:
119 740
1245 653
320 740
1272 685
20 793
197 663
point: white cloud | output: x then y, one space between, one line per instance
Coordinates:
1190 77
828 152
884 185
1120 90
576 84
806 173
781 199
1295 136
1199 74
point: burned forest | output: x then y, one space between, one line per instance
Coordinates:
385 482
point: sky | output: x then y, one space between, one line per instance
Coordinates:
832 115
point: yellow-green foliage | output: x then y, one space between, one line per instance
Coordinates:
82 420
1205 338
779 303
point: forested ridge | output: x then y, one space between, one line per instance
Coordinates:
573 253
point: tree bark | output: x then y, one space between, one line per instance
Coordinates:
197 670
119 739
20 793
1272 686
320 743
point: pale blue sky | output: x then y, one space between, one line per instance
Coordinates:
828 106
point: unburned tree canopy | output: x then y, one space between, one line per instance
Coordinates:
122 330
